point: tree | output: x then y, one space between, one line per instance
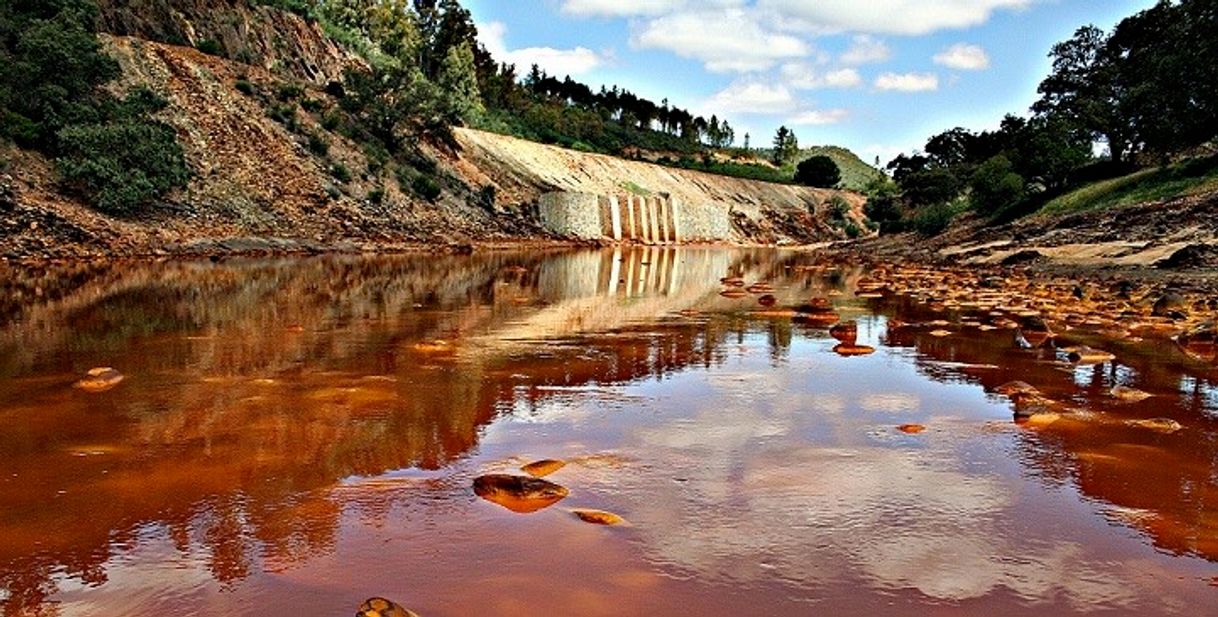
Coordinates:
459 84
786 146
1084 90
819 171
996 186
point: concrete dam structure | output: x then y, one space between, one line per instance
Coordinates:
654 219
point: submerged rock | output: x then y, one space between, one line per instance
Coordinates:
1087 355
760 288
911 429
380 607
1170 304
734 293
851 349
1129 395
520 494
1017 389
543 468
767 300
599 517
1160 425
99 380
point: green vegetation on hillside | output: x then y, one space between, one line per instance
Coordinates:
1192 177
52 72
1141 91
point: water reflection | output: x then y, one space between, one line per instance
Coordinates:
280 418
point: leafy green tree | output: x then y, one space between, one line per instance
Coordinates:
996 186
819 171
1085 90
459 84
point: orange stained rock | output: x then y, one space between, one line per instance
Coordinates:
911 429
543 468
599 517
1130 395
849 349
1087 355
380 607
100 380
520 494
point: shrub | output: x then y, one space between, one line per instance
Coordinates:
312 105
210 47
331 120
819 171
290 92
125 162
340 172
377 195
318 145
245 87
425 187
852 230
932 220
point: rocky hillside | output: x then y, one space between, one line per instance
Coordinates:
271 172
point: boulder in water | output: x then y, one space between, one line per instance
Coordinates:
380 607
1159 425
1129 395
599 517
543 468
520 494
100 380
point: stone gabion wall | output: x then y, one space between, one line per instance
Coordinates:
656 219
571 214
704 222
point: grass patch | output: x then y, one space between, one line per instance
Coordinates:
1148 185
635 189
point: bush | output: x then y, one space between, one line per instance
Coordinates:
290 92
839 208
819 171
210 47
126 162
340 172
425 187
377 195
932 220
318 145
245 87
852 230
312 105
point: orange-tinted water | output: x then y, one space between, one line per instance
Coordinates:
294 436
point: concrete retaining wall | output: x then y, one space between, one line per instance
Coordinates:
647 219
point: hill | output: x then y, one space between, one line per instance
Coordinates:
282 157
856 174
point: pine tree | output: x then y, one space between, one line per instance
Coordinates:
459 83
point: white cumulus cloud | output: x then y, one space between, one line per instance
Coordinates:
819 117
866 49
752 97
907 82
558 62
963 57
724 40
803 76
906 17
636 8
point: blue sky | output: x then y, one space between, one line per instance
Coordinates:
877 76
